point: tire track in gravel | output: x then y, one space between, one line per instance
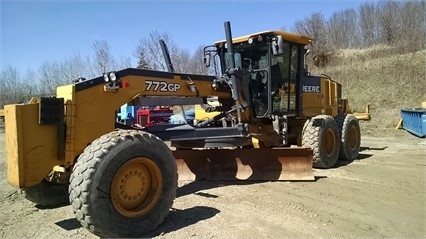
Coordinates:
254 208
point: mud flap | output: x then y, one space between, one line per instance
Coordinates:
277 164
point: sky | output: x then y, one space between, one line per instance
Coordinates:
33 32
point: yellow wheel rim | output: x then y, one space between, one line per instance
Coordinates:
136 187
329 142
353 137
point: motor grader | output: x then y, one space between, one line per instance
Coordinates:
121 181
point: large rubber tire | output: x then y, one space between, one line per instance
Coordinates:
123 184
350 136
321 134
47 194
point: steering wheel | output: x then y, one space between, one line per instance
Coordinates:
260 75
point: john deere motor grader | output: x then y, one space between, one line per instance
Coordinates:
122 182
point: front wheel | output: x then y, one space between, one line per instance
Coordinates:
124 184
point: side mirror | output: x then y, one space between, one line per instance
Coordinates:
277 45
207 57
307 51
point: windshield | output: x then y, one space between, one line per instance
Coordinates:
250 57
271 78
254 59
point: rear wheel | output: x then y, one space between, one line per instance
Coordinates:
321 134
124 184
350 136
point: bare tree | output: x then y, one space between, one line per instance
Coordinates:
124 62
413 24
8 86
182 61
315 27
51 74
149 51
197 62
342 28
150 55
74 67
49 77
54 74
103 59
388 18
368 24
143 62
14 88
29 85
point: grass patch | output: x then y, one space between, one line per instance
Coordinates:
382 77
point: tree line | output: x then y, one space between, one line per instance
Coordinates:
17 87
399 24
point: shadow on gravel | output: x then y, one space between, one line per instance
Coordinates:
175 220
361 156
178 219
41 207
341 163
196 186
317 178
372 148
69 224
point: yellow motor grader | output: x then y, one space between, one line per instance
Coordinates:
121 181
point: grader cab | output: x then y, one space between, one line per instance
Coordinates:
307 110
121 182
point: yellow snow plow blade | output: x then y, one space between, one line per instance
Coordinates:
282 164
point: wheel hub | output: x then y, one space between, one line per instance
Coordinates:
330 140
133 187
136 187
353 138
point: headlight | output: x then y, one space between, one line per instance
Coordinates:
214 85
81 79
112 76
106 79
250 40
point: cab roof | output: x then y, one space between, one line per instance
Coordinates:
287 36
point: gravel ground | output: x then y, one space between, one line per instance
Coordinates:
380 195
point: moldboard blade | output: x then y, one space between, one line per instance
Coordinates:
265 164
